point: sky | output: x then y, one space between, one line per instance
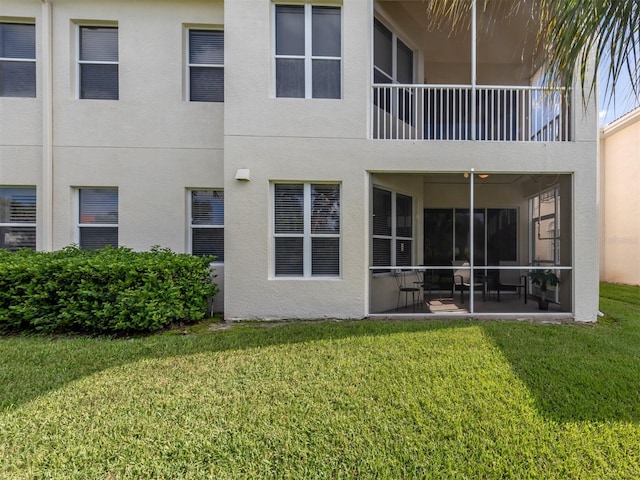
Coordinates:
623 102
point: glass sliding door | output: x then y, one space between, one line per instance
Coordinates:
438 244
502 235
463 237
447 238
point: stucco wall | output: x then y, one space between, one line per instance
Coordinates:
281 139
153 145
620 200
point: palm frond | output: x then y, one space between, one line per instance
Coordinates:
572 35
575 32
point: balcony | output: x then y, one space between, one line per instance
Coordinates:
463 112
478 80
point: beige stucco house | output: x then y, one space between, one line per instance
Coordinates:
321 151
620 200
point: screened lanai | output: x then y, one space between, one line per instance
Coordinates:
465 243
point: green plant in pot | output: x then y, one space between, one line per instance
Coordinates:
544 279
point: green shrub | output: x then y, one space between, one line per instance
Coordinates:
102 291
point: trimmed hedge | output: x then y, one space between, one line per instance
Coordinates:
102 291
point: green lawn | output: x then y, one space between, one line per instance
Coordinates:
366 399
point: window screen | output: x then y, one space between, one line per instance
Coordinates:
17 217
17 60
326 44
207 223
308 62
98 63
206 66
98 217
290 51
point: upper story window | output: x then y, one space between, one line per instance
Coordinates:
308 51
98 63
392 228
206 66
207 223
98 217
393 59
17 60
306 226
17 217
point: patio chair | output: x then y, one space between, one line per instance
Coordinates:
512 279
430 281
401 281
462 282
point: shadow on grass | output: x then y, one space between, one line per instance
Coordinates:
575 373
579 373
32 366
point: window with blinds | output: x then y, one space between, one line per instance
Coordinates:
308 51
17 217
404 230
382 228
207 223
306 230
17 60
206 66
392 242
98 217
98 63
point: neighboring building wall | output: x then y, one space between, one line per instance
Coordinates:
620 200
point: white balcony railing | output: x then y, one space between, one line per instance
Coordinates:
461 112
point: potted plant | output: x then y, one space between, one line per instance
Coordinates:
543 278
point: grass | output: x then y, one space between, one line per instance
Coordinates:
365 399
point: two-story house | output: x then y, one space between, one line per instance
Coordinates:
325 152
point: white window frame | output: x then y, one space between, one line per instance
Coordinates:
80 225
534 227
33 224
308 48
394 237
187 73
534 231
307 236
80 62
191 226
24 60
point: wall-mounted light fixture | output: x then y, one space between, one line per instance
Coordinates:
243 174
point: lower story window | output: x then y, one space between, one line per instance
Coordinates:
306 230
207 223
98 217
17 217
392 228
545 227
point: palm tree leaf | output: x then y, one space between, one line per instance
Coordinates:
573 36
